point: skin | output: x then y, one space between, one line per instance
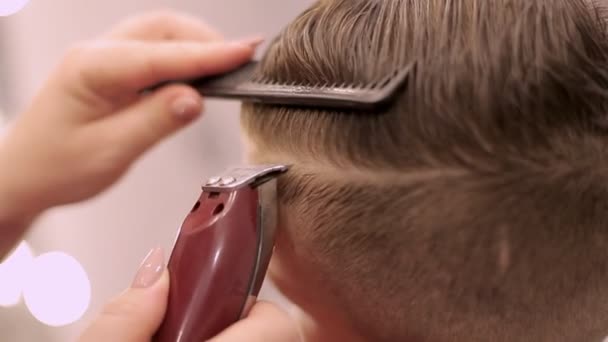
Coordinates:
88 125
316 314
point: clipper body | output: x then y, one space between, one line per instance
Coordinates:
221 254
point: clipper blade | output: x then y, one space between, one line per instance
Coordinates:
243 84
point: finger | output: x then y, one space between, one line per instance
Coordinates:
118 67
136 314
265 323
148 121
164 25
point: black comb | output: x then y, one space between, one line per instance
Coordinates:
243 84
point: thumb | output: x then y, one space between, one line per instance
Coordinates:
154 117
136 314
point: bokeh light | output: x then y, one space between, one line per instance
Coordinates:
9 7
13 273
57 290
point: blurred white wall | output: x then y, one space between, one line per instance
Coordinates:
110 234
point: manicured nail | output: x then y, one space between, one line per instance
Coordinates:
150 270
186 107
251 41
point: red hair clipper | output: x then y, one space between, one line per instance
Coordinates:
221 254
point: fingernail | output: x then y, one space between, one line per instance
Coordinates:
150 270
186 107
250 41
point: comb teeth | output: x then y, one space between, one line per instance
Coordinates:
243 84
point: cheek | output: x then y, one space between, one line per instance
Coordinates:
279 272
282 255
293 274
284 269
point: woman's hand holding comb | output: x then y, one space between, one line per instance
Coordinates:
89 122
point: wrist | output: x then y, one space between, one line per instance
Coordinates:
16 216
16 209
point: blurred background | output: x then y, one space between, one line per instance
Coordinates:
76 258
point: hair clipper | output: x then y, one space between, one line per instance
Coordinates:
221 254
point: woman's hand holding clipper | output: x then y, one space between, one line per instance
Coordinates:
135 315
90 122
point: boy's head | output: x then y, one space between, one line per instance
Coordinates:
476 207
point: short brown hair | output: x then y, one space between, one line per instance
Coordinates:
476 207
